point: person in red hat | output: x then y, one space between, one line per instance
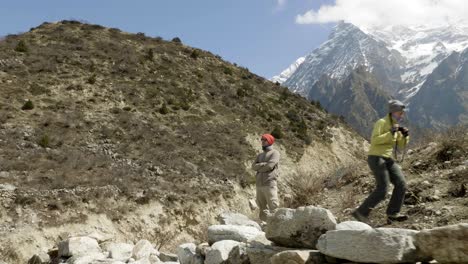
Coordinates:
266 166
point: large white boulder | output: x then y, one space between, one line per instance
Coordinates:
219 251
78 246
298 257
230 218
232 232
352 225
168 257
238 255
447 244
86 259
119 251
299 228
259 253
143 249
187 254
381 245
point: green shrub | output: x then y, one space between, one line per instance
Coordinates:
150 54
241 92
176 40
195 54
21 46
44 141
317 104
227 70
277 132
91 79
284 95
163 110
293 116
28 105
185 105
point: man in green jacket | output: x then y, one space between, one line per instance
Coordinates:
387 137
266 166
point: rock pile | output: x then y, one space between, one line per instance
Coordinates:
305 235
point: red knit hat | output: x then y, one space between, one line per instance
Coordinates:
269 138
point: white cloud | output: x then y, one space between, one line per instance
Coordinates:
371 13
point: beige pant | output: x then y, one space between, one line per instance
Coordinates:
267 200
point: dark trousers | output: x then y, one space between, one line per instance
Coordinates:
385 170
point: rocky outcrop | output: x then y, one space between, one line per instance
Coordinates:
77 246
230 218
298 257
380 245
187 254
220 251
448 244
349 241
232 232
299 227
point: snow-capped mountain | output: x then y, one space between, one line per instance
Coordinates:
417 64
347 48
423 48
284 75
443 98
400 57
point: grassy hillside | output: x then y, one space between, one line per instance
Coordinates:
86 108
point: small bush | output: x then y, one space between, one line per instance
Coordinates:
163 110
305 187
21 46
227 70
195 54
277 132
244 90
185 105
28 105
150 55
91 79
316 104
176 40
44 141
284 95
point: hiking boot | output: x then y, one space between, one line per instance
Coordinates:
396 217
360 217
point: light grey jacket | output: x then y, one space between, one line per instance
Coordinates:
266 166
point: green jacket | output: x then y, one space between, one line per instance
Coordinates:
382 139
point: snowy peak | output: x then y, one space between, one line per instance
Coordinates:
423 48
284 75
347 48
401 57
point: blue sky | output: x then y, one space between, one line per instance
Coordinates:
261 35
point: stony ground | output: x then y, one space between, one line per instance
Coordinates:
436 170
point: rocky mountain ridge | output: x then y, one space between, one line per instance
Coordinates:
402 60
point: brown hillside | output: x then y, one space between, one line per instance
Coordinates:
96 125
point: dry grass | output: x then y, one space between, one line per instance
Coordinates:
344 176
8 253
305 188
348 199
96 121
